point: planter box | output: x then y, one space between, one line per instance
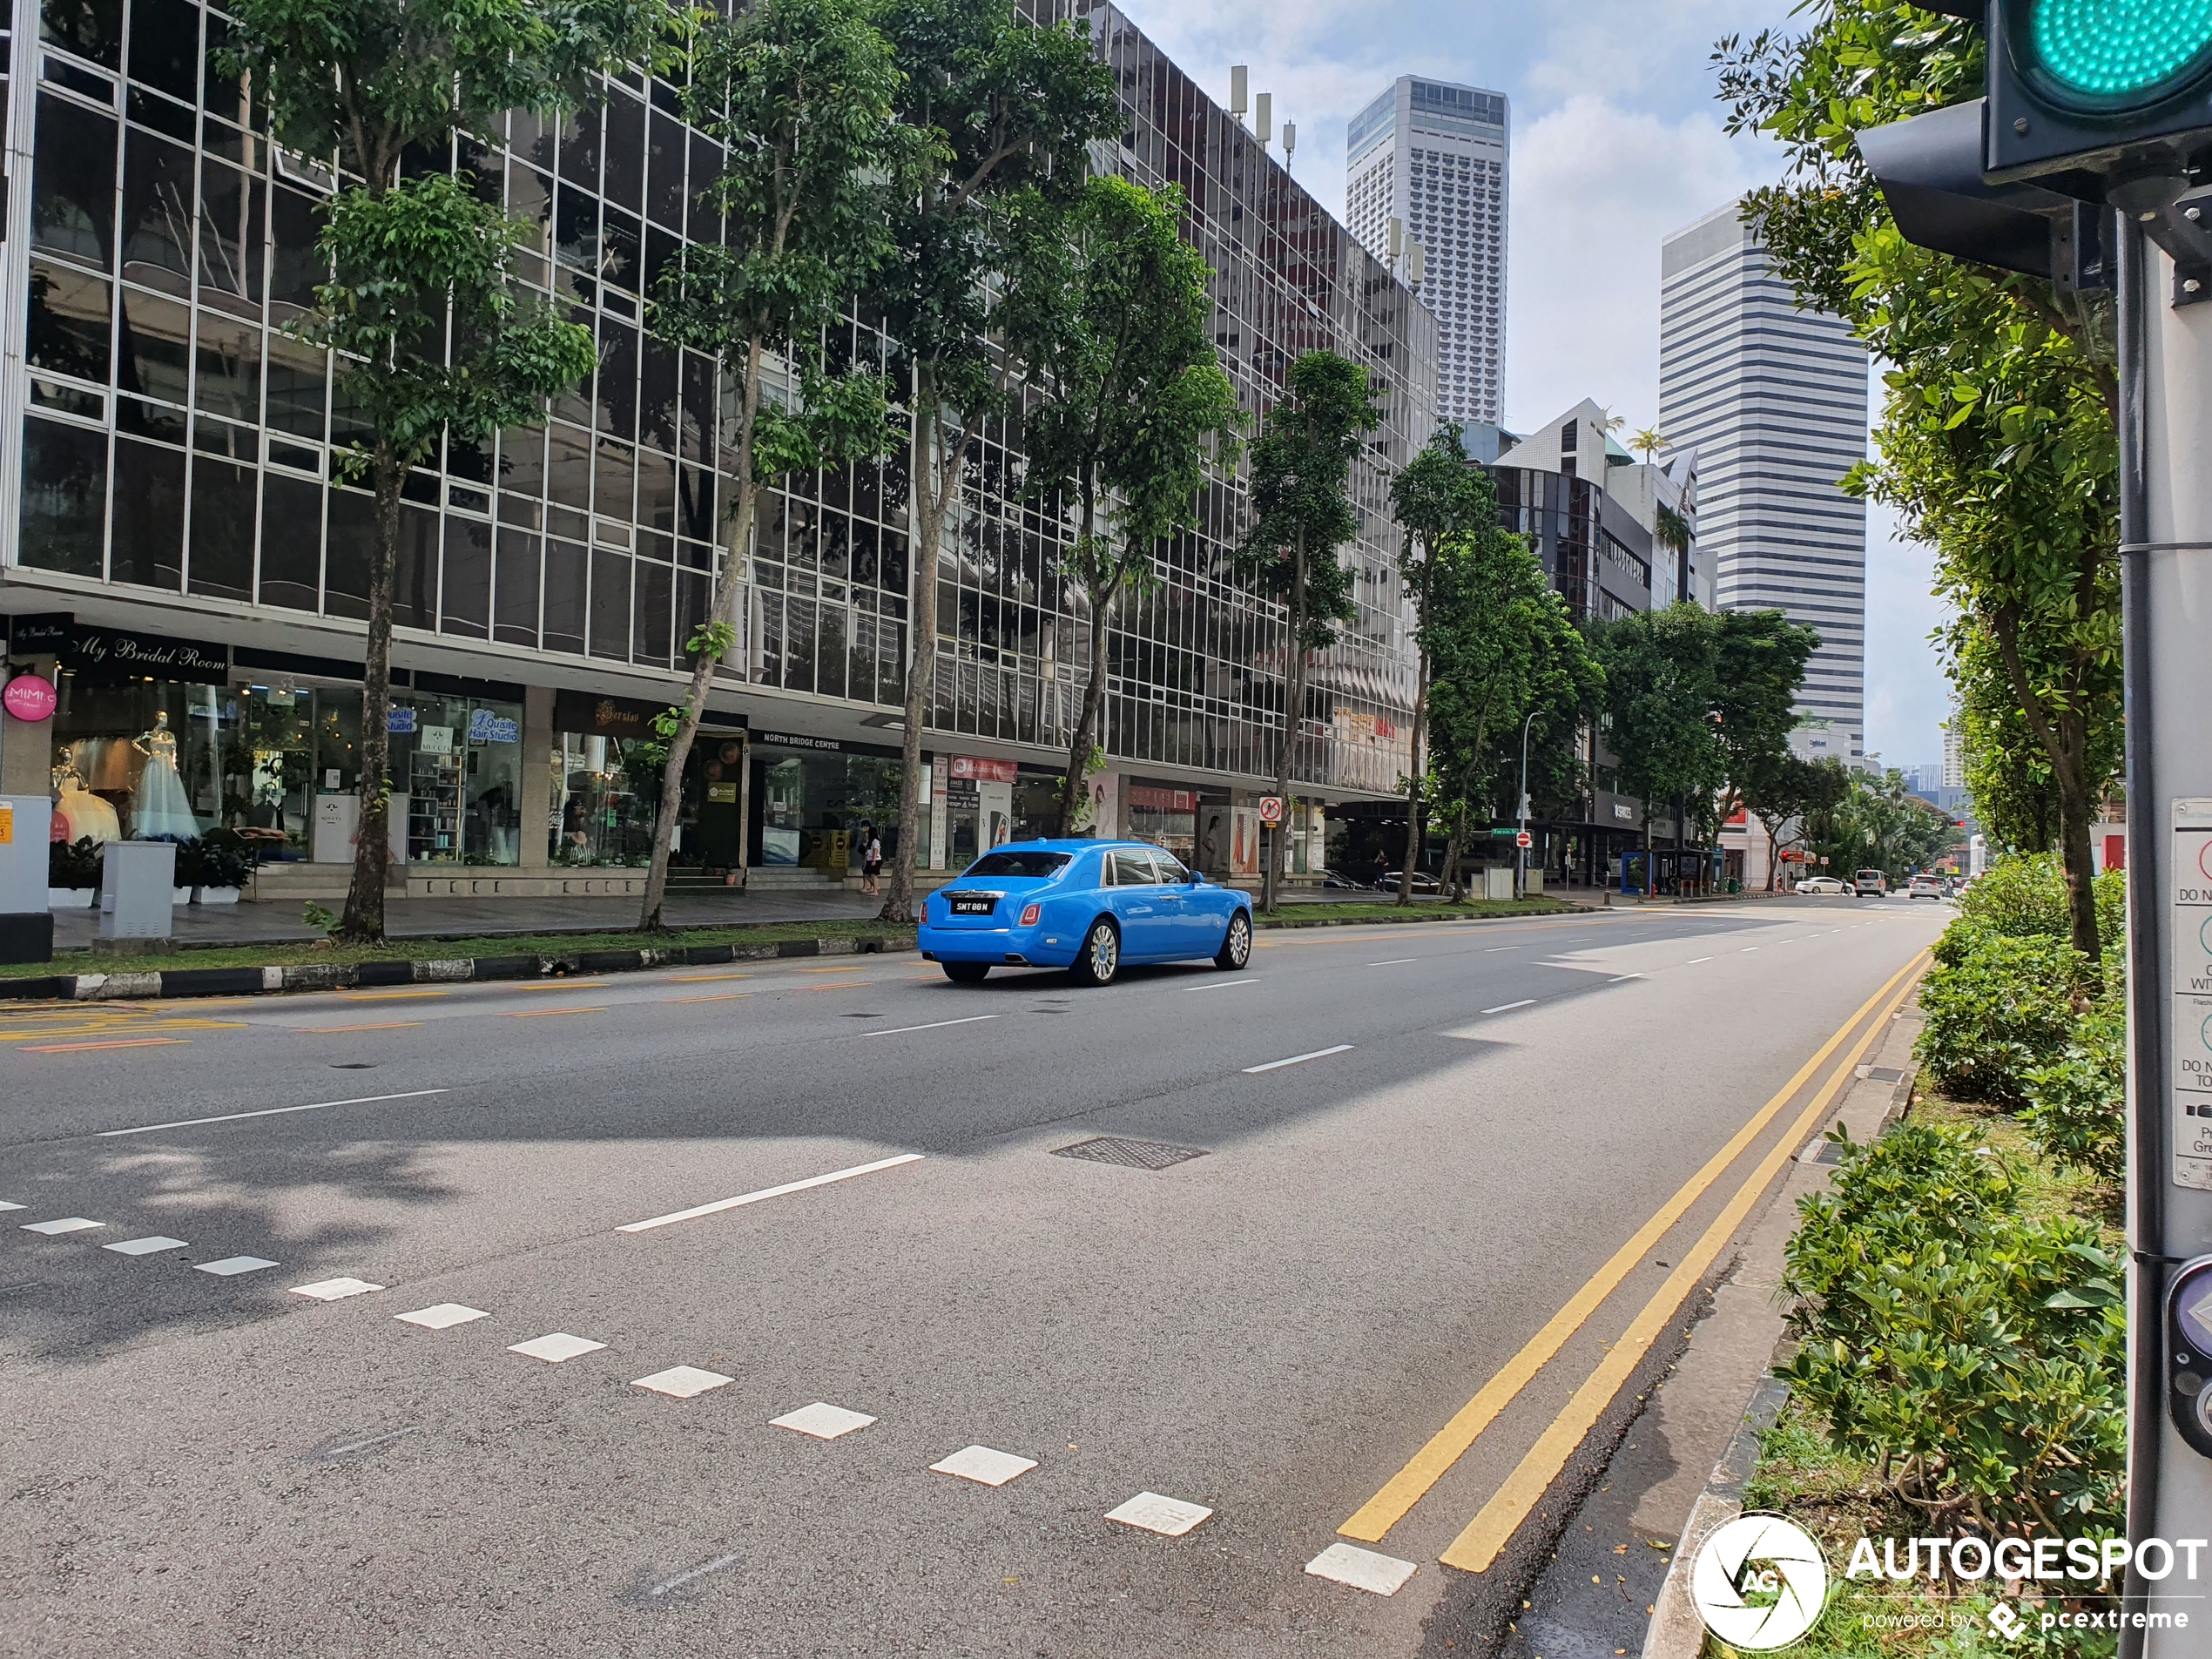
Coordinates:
214 896
70 898
180 895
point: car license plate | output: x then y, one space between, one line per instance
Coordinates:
964 906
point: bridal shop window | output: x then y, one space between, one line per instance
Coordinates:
138 759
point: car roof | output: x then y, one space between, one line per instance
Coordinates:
1070 845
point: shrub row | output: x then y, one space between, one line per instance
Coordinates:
2018 1018
216 859
1975 1355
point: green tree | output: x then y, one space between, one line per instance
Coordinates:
800 92
1997 440
1759 660
1662 696
1008 108
1302 512
1503 647
1440 494
420 306
1783 790
1112 309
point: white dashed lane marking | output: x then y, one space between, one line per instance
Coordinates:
335 1290
1299 1059
683 1382
271 1112
983 1465
1363 1569
935 1025
556 1348
231 1266
822 1420
1169 1517
744 1198
66 1224
1508 1007
443 1316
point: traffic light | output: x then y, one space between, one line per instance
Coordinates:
2090 104
2098 86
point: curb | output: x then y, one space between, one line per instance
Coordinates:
1388 921
336 976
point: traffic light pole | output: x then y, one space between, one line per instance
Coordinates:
2166 565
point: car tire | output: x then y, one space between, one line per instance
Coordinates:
966 973
1099 958
1236 943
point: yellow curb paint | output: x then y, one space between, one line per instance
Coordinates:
1371 1523
1477 1545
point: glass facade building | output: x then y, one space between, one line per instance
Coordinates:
174 459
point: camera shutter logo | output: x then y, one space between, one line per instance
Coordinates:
1759 1582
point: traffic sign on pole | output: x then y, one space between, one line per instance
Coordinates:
1271 809
1524 839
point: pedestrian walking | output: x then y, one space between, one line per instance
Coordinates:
870 859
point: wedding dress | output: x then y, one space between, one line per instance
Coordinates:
84 813
161 808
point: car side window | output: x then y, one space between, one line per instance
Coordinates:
1132 870
1171 873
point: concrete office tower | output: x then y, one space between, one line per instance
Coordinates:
1773 400
1433 156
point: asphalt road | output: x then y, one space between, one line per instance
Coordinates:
204 1463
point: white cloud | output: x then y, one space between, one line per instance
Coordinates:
1595 187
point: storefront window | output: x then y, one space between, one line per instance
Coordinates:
1167 818
459 762
138 759
809 809
606 792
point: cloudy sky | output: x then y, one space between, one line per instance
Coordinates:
1617 142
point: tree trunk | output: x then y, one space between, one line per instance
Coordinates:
1293 717
1074 787
1450 885
934 477
726 613
1414 786
2064 738
363 923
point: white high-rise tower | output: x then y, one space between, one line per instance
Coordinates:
1434 156
1773 400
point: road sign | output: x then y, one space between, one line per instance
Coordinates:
1271 809
1524 839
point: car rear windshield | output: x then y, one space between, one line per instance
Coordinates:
1869 876
1005 863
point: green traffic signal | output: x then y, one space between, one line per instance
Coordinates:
2111 55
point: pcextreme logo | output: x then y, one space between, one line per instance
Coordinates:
1759 1582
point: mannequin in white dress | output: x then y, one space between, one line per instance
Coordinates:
84 813
161 806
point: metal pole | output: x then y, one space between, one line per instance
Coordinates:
2166 568
1521 853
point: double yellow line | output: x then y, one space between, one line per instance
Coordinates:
1477 1545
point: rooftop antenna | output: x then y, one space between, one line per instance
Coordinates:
1416 265
1264 118
1397 236
1238 77
1290 141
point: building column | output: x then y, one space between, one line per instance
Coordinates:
537 775
27 746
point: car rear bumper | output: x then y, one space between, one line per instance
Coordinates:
1036 947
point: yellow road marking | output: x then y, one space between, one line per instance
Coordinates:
79 1027
694 979
542 1014
725 996
122 1042
390 997
1374 1519
1477 1545
553 985
852 967
834 985
389 1025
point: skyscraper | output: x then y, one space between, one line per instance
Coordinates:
1433 156
1773 400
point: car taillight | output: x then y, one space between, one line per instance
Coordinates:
1029 914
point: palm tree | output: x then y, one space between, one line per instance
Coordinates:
1650 441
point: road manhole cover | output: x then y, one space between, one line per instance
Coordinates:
1130 1155
1883 1074
1829 1152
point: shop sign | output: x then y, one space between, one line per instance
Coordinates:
107 652
591 714
982 770
1164 800
793 740
436 739
484 726
29 696
723 794
399 720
